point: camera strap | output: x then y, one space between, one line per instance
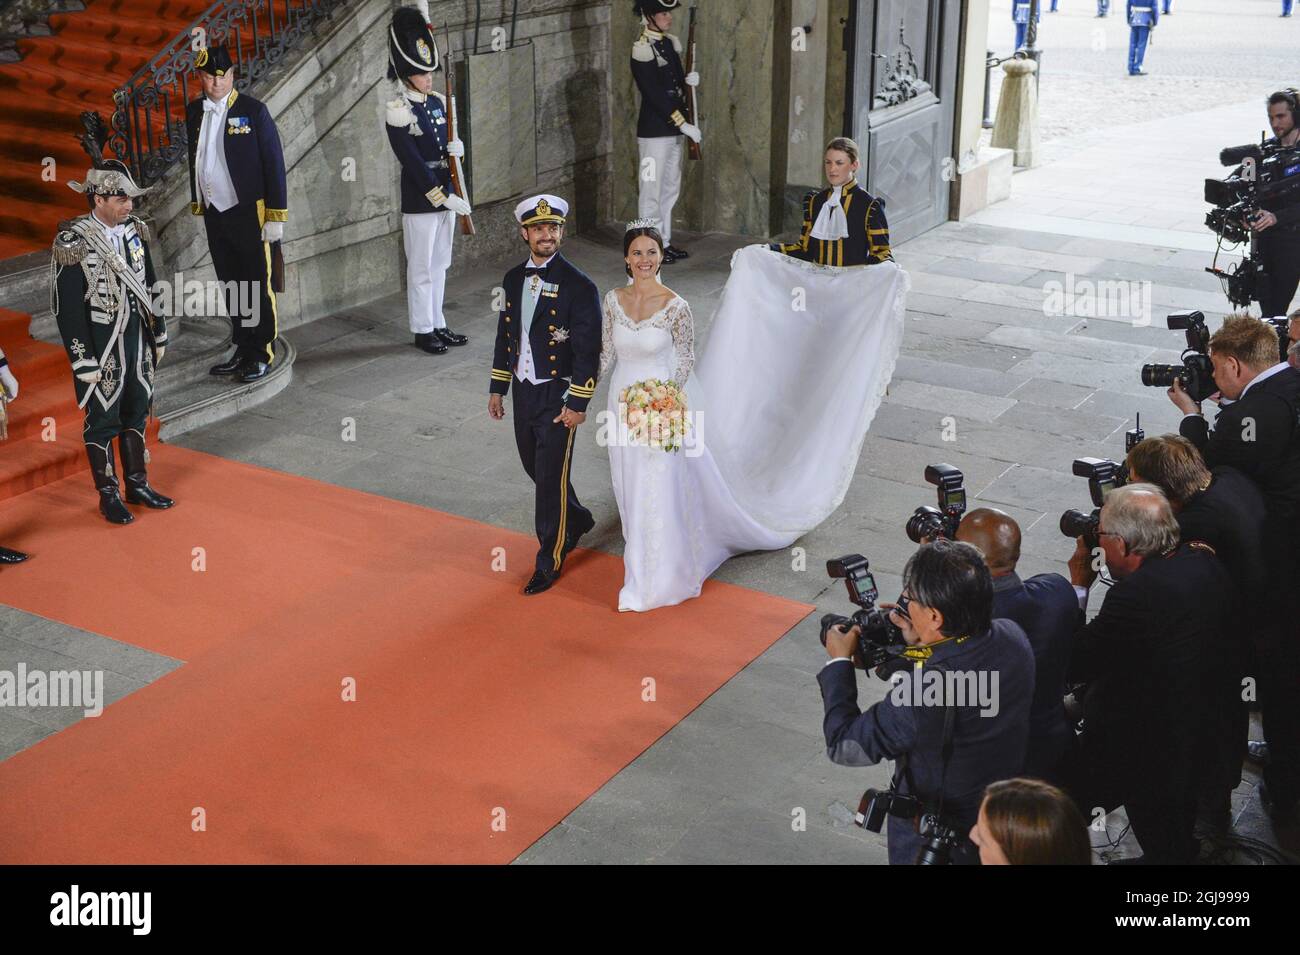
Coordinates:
904 762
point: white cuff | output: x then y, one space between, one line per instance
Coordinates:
836 660
1082 594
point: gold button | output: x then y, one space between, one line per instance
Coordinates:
552 311
552 373
552 358
507 318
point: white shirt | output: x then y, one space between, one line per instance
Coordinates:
213 180
115 234
526 369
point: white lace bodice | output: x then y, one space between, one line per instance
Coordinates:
621 337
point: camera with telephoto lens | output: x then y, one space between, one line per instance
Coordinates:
880 642
932 523
1196 373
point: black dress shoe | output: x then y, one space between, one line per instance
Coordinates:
227 367
8 556
677 253
430 342
669 257
541 580
252 370
448 337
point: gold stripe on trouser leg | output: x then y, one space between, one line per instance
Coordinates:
275 315
564 500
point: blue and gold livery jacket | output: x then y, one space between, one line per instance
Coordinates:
564 336
253 156
657 69
86 298
868 239
417 133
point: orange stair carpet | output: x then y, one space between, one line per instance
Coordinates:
44 423
474 705
91 54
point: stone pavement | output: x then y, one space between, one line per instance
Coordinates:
1209 53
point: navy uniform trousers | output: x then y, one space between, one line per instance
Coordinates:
243 264
546 450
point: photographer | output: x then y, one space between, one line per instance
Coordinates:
1255 433
945 614
1226 510
1047 610
1147 659
1277 223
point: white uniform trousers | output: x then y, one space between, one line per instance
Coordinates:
428 239
661 180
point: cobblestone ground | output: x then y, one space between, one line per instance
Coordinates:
1207 53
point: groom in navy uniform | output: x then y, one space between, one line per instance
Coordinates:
548 348
237 183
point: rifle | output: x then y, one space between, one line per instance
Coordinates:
692 108
457 174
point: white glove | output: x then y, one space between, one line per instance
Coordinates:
692 78
273 232
8 382
89 377
456 148
457 205
160 351
690 131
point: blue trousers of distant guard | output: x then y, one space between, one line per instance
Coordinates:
1021 29
1103 7
1167 5
1053 6
1286 7
1137 47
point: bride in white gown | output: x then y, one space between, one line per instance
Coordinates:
685 512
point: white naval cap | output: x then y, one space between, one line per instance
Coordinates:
543 208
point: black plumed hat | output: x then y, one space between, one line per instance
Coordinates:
411 49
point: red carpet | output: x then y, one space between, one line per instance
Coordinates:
41 98
44 423
470 697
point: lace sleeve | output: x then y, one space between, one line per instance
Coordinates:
683 332
606 338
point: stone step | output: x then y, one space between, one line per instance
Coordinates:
192 398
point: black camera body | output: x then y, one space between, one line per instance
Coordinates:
940 837
1268 173
932 523
1196 373
1103 477
880 642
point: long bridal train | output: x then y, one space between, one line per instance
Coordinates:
797 363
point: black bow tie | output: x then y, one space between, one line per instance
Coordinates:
542 272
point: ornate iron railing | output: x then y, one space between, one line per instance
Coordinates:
147 129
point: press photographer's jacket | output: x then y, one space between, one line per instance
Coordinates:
985 748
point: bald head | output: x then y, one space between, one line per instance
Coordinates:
997 536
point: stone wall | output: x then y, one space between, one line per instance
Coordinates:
731 188
343 239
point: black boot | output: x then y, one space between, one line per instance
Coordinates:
8 556
101 466
138 490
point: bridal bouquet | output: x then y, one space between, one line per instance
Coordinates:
654 414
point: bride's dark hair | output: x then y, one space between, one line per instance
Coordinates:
636 233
